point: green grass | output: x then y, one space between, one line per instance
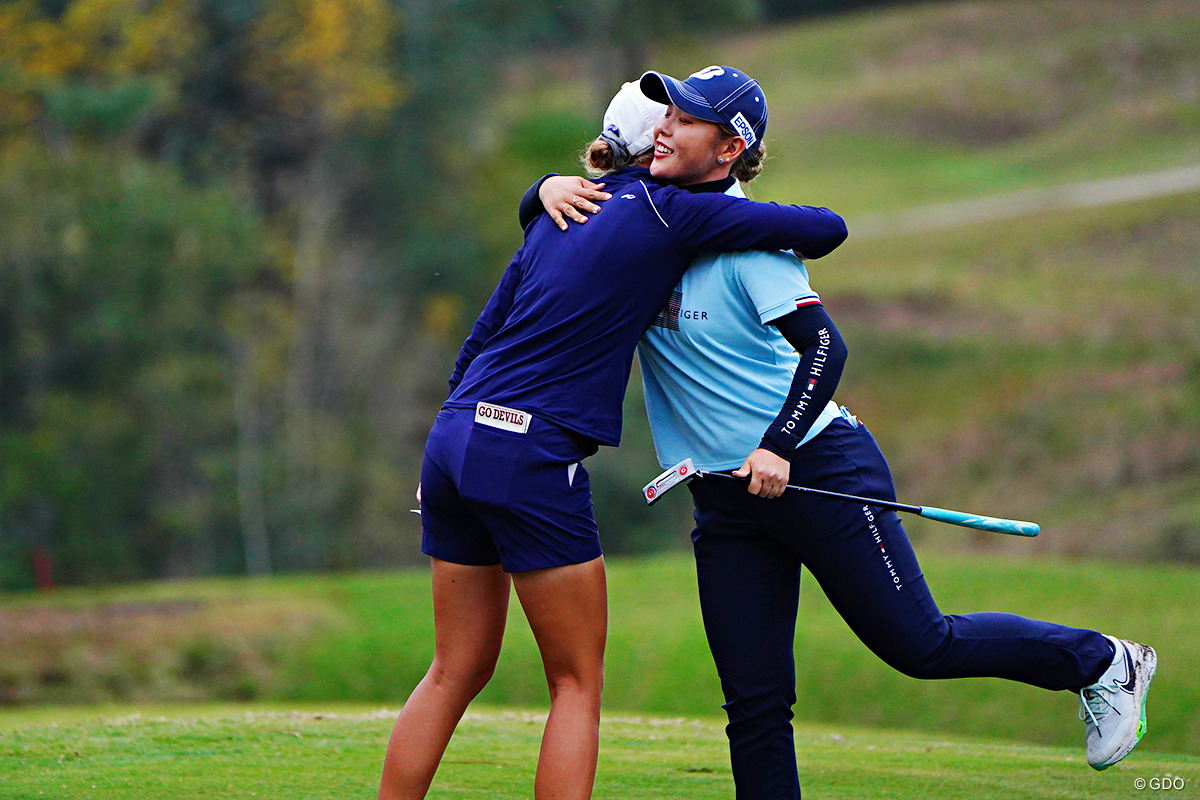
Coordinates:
336 752
928 102
372 641
1045 367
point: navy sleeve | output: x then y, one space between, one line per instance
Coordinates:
490 320
822 358
531 205
719 223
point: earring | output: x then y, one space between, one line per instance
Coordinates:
721 160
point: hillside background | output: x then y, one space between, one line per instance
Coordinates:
243 242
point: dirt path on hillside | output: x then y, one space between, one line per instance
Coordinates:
1030 201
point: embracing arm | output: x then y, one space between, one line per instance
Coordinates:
531 206
560 196
710 222
718 223
490 320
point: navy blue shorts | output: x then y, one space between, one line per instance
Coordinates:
492 496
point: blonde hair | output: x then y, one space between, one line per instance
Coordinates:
599 158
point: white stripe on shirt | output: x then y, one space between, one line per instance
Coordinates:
646 189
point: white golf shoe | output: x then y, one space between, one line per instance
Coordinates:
1114 708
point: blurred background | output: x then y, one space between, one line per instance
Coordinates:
240 244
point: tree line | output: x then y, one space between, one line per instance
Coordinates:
234 260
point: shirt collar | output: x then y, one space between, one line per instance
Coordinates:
720 185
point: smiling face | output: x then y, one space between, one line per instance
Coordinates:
687 149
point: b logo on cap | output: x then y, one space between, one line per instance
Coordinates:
708 72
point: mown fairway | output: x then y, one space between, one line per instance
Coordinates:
232 752
368 638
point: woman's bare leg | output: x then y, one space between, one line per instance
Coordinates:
470 606
567 609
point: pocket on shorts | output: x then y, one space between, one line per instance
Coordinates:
492 457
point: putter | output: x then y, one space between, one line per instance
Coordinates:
685 470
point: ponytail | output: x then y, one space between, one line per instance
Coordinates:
750 164
598 159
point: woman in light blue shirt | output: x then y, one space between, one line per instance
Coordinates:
740 370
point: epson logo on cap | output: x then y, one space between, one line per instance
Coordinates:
744 128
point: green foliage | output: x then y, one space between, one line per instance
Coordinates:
242 243
548 132
113 379
97 113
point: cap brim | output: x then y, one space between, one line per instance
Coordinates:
665 89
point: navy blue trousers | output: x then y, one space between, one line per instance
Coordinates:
749 551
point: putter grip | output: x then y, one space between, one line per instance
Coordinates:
1014 526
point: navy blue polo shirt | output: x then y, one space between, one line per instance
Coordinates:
557 337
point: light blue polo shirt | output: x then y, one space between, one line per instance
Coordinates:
715 374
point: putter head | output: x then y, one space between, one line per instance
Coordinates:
682 472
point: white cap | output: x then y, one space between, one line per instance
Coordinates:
629 123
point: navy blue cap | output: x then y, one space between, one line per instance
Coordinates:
716 94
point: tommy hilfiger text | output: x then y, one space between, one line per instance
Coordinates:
814 374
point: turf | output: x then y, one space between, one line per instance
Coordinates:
369 639
244 752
